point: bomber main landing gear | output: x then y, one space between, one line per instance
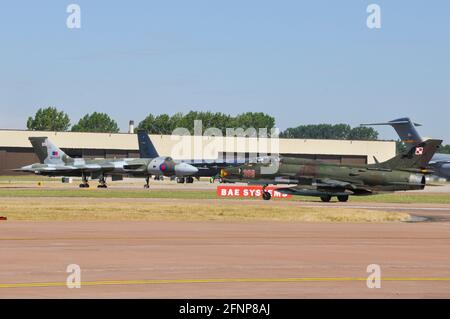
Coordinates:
84 182
102 181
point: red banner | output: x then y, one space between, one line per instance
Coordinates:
248 191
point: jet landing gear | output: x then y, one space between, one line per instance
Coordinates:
266 195
343 198
327 198
84 183
147 182
102 182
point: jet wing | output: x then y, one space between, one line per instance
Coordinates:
333 183
326 187
311 191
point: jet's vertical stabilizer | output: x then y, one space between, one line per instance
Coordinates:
417 157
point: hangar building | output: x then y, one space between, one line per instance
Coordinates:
16 150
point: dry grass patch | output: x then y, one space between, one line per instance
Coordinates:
47 209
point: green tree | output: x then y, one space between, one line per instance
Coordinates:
147 124
319 131
96 122
48 119
363 133
444 149
328 131
400 147
165 124
256 120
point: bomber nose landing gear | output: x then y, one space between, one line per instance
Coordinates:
147 182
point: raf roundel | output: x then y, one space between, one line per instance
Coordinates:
163 167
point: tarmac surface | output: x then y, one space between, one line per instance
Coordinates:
230 260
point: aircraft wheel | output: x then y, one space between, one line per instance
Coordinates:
267 196
82 185
325 198
343 198
146 186
180 180
189 180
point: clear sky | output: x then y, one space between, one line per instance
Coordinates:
304 62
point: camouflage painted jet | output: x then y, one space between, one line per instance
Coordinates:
314 178
54 162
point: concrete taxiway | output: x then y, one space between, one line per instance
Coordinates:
230 260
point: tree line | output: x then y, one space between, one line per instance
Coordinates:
331 132
51 119
166 124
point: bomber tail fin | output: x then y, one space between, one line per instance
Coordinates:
146 147
47 152
416 158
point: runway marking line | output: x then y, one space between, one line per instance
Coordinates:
218 280
203 237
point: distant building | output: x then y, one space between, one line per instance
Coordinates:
16 150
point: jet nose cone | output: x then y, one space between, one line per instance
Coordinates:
223 173
184 169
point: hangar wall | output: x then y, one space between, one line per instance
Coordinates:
16 150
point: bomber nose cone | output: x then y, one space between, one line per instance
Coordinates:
185 169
